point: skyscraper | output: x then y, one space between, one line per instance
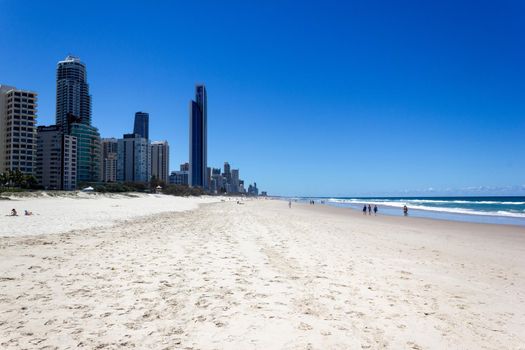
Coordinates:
160 160
134 159
73 98
216 180
227 171
109 160
185 167
253 190
89 152
235 180
208 177
17 129
56 159
141 126
198 138
73 115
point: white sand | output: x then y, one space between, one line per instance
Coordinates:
262 276
52 214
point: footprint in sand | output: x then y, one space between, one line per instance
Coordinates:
305 326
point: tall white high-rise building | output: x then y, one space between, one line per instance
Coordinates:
56 159
133 159
17 129
160 160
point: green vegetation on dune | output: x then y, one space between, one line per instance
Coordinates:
16 181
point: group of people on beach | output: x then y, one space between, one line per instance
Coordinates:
15 213
366 208
369 208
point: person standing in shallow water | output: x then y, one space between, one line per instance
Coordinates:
405 210
375 209
364 209
369 210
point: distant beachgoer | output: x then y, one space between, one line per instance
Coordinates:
375 209
405 210
369 210
27 213
13 212
364 209
289 204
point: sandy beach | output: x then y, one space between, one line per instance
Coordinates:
66 211
206 274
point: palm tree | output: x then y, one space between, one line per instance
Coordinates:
17 177
29 181
4 179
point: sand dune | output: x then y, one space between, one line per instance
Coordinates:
262 276
78 210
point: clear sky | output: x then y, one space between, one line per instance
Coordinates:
306 98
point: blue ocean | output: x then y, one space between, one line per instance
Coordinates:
496 210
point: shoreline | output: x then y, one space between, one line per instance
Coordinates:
433 214
399 218
410 220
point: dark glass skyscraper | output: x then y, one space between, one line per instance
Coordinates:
141 126
198 138
73 115
89 152
73 98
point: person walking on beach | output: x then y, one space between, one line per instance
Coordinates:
290 203
369 210
364 209
405 210
375 209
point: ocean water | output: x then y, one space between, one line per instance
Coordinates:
496 210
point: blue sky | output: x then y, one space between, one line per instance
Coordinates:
306 98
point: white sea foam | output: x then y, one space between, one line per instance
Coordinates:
462 202
416 205
469 211
408 200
